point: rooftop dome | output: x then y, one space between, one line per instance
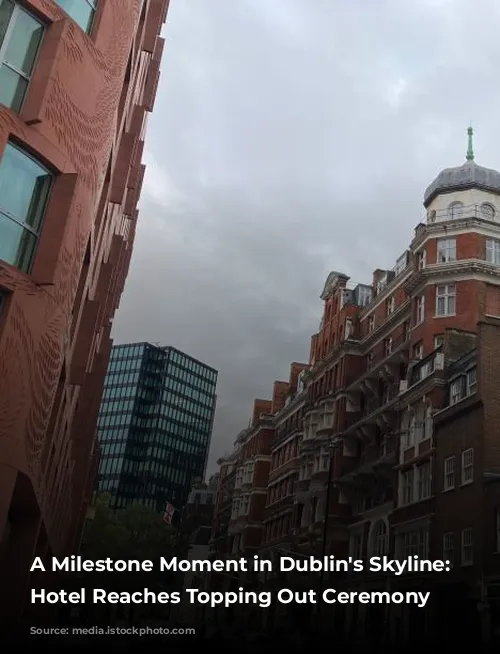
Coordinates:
469 175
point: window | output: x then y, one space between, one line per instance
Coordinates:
467 546
438 341
406 331
449 473
388 346
412 432
248 473
371 323
493 251
471 381
243 509
497 528
445 299
455 210
420 310
418 351
421 259
449 546
407 486
357 546
369 361
381 284
24 191
415 543
408 435
446 250
468 466
364 296
379 543
456 390
81 11
401 263
424 481
20 38
428 423
391 305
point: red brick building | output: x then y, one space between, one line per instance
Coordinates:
376 402
75 91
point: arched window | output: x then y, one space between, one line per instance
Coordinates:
380 540
487 211
455 210
431 216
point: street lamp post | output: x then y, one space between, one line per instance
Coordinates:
331 448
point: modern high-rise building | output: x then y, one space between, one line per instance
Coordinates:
155 424
77 80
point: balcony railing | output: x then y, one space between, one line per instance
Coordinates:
373 501
375 453
428 365
471 211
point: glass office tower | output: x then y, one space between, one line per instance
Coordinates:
155 424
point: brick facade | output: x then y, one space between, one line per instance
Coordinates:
379 411
83 118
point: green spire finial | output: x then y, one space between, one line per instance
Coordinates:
470 149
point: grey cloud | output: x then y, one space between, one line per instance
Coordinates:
289 139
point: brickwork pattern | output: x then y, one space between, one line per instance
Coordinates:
87 98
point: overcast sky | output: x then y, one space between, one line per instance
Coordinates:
291 138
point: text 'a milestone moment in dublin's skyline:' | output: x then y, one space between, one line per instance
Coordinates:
310 566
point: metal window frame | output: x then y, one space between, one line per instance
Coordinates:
93 4
7 214
18 9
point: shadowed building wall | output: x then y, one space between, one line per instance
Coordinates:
75 90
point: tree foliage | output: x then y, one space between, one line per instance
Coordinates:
136 532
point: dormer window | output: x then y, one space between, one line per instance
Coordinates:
364 294
455 210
